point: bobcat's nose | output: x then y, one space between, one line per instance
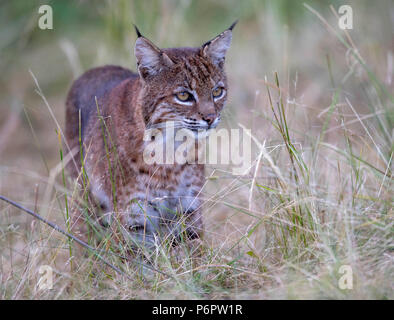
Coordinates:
209 118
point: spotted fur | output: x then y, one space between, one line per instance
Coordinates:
148 200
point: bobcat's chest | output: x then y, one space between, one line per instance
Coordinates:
177 189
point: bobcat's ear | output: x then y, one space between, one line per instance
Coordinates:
150 59
216 48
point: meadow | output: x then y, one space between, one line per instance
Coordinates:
316 202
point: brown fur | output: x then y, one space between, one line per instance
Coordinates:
147 200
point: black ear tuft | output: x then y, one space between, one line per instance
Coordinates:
137 31
233 25
150 59
216 48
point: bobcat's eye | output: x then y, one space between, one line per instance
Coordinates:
184 96
218 92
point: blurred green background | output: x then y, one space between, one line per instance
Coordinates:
102 31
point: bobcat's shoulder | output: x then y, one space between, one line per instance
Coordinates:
96 82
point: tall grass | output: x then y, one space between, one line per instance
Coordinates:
318 196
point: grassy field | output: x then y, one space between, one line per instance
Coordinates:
319 196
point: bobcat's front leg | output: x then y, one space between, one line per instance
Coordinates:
139 221
194 224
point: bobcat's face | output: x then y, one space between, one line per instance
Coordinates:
186 86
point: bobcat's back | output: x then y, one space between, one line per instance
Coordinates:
96 82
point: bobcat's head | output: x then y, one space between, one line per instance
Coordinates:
187 86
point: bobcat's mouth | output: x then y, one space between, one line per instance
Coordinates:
200 125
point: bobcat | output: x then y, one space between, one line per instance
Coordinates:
110 108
